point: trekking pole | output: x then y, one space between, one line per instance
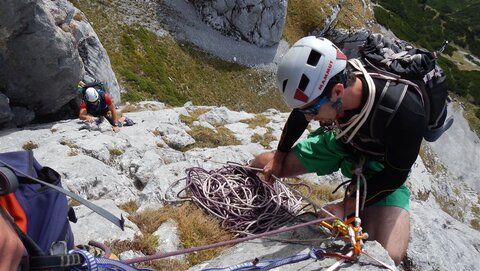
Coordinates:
97 209
443 47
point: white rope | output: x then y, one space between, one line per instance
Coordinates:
358 120
241 201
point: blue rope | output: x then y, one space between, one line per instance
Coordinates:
269 264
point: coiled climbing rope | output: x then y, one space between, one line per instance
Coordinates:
239 198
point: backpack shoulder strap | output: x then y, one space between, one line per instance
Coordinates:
390 100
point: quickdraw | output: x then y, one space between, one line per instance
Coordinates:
351 229
351 233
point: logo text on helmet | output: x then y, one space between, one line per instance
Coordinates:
324 80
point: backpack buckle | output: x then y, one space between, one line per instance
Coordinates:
8 181
58 248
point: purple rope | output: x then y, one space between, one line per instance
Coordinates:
224 243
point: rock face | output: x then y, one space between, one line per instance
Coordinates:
141 163
46 48
257 21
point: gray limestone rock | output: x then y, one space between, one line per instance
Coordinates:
46 48
257 21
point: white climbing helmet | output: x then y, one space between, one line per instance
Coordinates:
91 95
306 68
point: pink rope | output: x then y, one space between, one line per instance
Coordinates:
224 243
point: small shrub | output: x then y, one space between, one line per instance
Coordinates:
449 207
145 243
194 226
130 206
78 16
475 223
72 152
320 194
115 152
30 145
208 138
73 203
264 139
257 121
423 196
156 132
428 158
130 108
193 116
68 144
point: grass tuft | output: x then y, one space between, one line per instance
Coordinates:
130 206
320 194
258 121
30 145
115 152
194 227
193 115
208 138
264 139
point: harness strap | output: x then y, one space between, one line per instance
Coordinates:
56 261
385 110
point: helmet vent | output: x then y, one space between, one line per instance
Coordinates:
284 85
313 58
303 83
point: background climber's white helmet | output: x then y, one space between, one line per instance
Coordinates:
306 68
91 95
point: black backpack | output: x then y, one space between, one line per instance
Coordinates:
397 58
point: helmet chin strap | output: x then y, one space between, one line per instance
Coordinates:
338 106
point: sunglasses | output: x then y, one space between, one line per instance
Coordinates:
313 110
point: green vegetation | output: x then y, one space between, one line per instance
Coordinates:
449 206
257 121
194 227
455 21
162 69
428 158
306 17
264 139
130 206
193 115
471 113
303 17
115 152
319 194
208 138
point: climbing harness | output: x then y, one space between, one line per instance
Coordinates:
350 229
92 263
